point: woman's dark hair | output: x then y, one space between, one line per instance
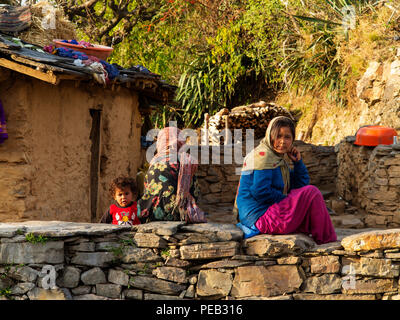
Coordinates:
122 182
281 123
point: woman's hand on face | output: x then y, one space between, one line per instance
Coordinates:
294 154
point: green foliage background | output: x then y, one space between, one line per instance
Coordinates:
222 53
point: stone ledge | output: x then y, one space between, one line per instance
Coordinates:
175 260
58 229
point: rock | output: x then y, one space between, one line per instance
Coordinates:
338 206
277 245
209 250
156 285
5 283
323 284
70 277
265 281
83 246
81 290
107 246
149 240
133 294
93 259
216 231
190 292
24 273
173 262
90 297
372 286
108 290
93 276
43 294
325 248
225 264
325 264
372 267
372 240
51 252
307 296
139 255
59 229
22 288
118 277
214 283
161 228
152 296
289 260
347 221
172 274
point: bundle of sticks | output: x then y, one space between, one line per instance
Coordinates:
255 116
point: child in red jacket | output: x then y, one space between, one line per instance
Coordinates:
124 211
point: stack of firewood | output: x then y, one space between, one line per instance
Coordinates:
255 116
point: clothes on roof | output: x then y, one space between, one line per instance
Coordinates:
111 71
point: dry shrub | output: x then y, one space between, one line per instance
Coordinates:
38 35
372 40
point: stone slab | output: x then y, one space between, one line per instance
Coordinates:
277 245
161 228
26 252
156 285
209 250
372 240
93 259
214 283
263 281
59 228
219 231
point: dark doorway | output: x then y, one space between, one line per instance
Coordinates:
94 162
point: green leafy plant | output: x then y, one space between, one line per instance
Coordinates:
6 292
165 252
30 237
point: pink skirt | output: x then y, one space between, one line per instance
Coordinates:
302 211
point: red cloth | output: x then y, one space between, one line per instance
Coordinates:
302 211
124 216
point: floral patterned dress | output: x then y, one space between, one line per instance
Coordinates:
160 186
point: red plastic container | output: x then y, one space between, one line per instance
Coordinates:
374 135
99 51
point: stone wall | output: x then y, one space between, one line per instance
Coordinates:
172 260
369 178
45 165
218 182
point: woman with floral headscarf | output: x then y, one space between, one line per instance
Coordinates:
170 187
272 198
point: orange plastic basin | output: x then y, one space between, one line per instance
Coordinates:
99 51
374 135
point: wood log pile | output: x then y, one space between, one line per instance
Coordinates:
255 116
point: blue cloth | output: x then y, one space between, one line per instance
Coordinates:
69 53
248 232
112 71
259 189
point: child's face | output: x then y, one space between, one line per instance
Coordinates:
123 196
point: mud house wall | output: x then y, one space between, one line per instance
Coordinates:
45 165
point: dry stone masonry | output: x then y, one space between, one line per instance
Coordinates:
369 178
218 179
173 260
